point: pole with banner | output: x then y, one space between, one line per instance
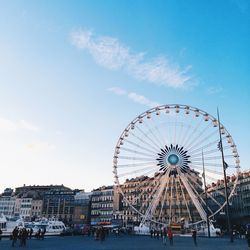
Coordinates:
224 165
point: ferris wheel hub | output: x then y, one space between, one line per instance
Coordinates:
173 159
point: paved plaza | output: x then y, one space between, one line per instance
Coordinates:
125 243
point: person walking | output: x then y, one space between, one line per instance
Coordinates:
14 236
171 237
30 232
164 236
23 237
248 236
194 236
102 234
1 232
43 233
157 234
151 233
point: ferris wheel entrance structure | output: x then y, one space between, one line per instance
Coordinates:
167 166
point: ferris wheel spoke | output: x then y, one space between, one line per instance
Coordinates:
175 128
138 171
203 139
170 201
211 171
149 138
180 132
133 158
141 164
177 198
152 206
139 146
147 184
193 197
192 133
187 130
210 151
191 182
136 152
212 158
159 138
210 144
211 164
151 146
199 135
184 197
148 203
214 200
165 195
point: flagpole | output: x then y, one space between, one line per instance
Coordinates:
205 187
225 181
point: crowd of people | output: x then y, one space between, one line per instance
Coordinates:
22 234
165 234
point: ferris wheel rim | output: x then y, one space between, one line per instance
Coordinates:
177 108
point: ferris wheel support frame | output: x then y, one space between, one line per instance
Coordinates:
188 137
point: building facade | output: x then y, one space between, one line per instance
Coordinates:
239 205
59 203
82 208
173 206
7 202
102 205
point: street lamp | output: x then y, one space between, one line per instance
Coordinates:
225 179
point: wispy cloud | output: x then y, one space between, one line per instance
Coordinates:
137 98
111 54
213 90
29 126
9 125
41 146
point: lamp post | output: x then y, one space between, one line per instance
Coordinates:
225 180
205 186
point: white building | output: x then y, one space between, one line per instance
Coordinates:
7 202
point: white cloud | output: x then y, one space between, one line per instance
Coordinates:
111 54
134 97
214 90
40 146
142 100
118 91
9 125
29 126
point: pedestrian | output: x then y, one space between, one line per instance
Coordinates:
154 233
194 235
38 234
23 237
164 236
151 233
102 234
171 236
248 237
157 234
20 237
43 233
30 233
14 236
1 232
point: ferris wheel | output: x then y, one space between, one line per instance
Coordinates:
168 165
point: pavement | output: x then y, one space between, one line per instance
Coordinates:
126 242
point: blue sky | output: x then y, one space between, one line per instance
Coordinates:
73 74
